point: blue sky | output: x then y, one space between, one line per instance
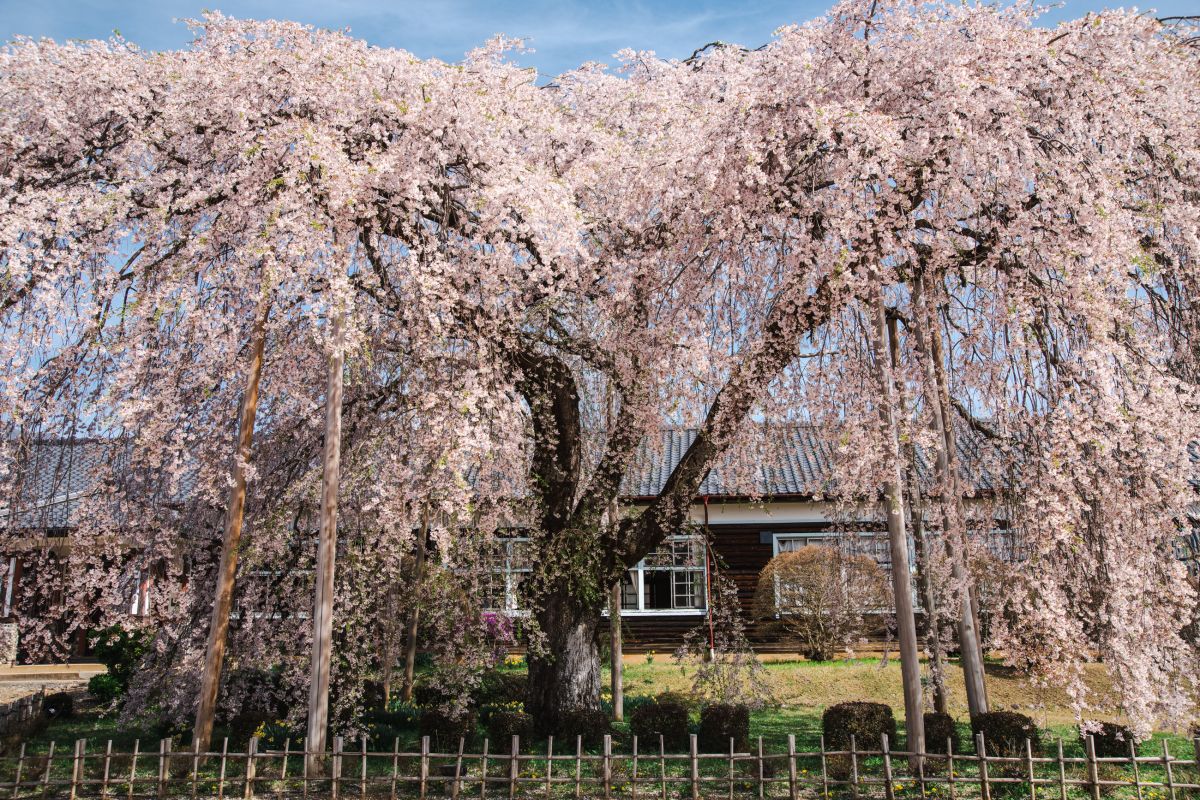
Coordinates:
563 34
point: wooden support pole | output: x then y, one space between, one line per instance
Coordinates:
322 644
218 628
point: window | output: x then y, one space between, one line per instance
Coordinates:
868 543
511 563
670 580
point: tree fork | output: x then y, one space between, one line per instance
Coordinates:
322 648
218 629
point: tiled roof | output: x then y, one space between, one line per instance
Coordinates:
53 476
791 460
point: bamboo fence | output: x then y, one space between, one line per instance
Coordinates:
354 771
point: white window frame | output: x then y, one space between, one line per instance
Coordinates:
638 576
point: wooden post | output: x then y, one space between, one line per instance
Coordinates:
514 766
251 767
853 765
46 774
396 767
549 765
414 614
1029 769
424 765
164 755
1089 747
695 764
287 746
336 782
731 753
633 782
107 767
304 767
578 759
218 628
20 766
1062 772
137 744
981 752
1137 775
888 790
322 647
950 765
483 759
616 649
1166 759
893 494
792 763
77 766
760 767
362 767
662 766
824 771
606 767
454 789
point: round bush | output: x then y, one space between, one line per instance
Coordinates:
591 724
720 722
865 721
504 723
1111 740
104 688
500 688
666 718
445 730
59 705
1005 732
940 728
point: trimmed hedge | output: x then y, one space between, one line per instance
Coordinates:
1005 732
666 718
591 724
59 705
500 688
1111 740
938 729
865 721
504 723
720 722
105 688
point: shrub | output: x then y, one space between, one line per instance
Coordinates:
662 717
104 688
938 729
445 730
591 724
500 688
1005 732
720 722
865 721
1111 740
119 650
504 723
819 597
59 705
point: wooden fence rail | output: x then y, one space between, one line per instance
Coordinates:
351 770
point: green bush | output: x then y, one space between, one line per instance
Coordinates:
720 722
1005 732
666 718
504 723
104 688
500 688
444 730
590 724
1111 740
59 705
940 728
862 720
866 722
119 650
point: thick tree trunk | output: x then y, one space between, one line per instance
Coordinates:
910 666
218 629
565 676
322 648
